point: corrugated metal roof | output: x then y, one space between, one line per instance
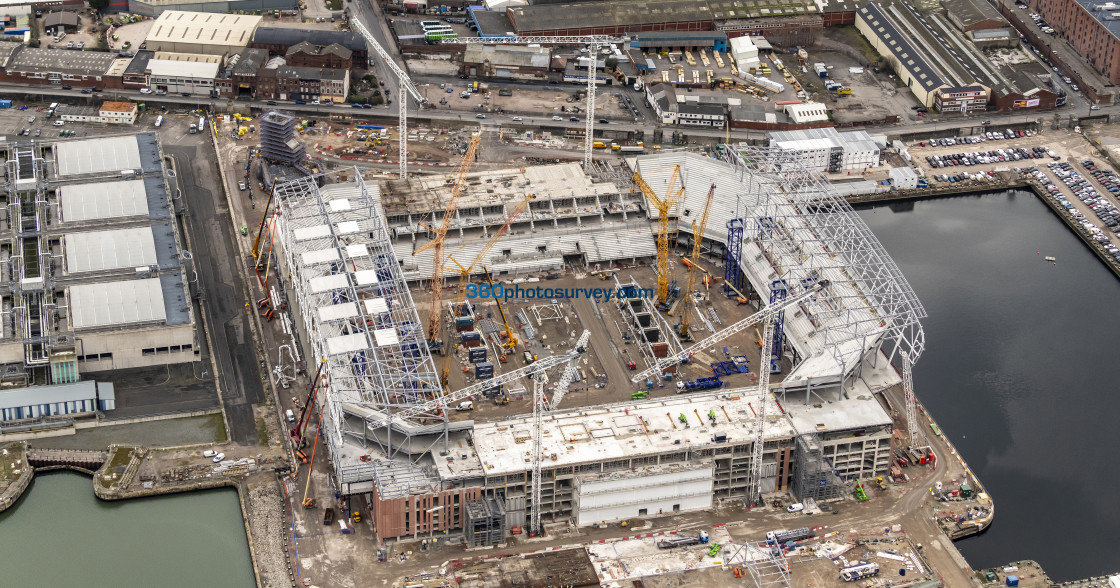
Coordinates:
900 47
103 200
31 395
106 250
116 303
102 155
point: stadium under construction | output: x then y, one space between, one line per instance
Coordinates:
772 232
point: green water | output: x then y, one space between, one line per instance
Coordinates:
60 535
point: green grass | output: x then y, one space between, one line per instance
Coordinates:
334 4
853 38
214 424
119 459
262 432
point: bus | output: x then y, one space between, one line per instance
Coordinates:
437 29
430 23
437 35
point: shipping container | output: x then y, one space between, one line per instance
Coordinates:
5 103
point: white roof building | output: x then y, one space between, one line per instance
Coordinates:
807 112
745 52
201 32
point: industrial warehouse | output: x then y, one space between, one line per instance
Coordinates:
93 276
584 445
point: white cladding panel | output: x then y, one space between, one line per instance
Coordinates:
603 498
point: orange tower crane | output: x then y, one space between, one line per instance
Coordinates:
439 241
662 204
465 272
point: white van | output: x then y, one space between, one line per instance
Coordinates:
465 405
290 416
795 507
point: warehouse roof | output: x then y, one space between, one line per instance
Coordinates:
492 24
204 28
900 47
63 18
196 57
103 200
108 250
507 55
310 48
62 61
101 155
643 12
183 69
7 51
125 302
35 395
139 63
311 73
289 37
972 12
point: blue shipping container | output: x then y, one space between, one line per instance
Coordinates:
1013 580
5 103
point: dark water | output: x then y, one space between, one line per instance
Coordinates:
1020 371
59 535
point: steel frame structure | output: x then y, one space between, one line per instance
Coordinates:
593 43
732 273
767 568
355 303
806 232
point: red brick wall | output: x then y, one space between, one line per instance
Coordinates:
397 517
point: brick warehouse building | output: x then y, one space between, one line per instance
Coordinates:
1096 39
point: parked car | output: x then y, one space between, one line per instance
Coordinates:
480 115
517 119
219 457
209 453
556 117
145 91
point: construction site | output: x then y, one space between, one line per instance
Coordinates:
525 351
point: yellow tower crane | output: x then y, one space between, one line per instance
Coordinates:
662 204
688 301
438 243
465 272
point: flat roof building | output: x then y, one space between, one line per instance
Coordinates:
154 8
201 32
828 150
108 276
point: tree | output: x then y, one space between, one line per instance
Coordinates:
98 5
612 62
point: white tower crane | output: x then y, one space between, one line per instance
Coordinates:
405 85
536 371
767 316
593 43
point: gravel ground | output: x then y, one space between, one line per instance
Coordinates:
269 526
166 433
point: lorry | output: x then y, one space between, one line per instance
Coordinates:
859 571
683 541
698 385
785 536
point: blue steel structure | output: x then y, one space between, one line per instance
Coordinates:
732 273
778 293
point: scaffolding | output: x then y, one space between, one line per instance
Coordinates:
800 232
279 142
813 474
350 295
485 523
766 564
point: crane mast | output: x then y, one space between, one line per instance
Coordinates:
662 204
697 241
760 425
438 243
405 87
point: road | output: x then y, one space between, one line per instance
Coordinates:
223 294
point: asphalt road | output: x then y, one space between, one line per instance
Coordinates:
223 295
163 389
